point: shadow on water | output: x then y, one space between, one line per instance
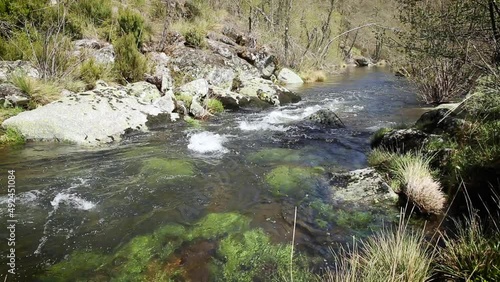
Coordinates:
71 198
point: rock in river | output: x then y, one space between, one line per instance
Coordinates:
93 117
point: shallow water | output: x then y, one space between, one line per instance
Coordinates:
71 198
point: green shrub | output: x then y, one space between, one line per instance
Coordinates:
186 99
381 159
21 46
484 103
95 11
130 64
90 72
215 106
12 137
195 37
6 113
471 255
130 22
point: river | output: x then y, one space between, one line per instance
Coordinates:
71 198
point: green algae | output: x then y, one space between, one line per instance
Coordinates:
292 180
172 167
251 256
161 170
80 264
275 155
217 224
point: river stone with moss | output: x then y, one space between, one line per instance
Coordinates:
159 170
293 180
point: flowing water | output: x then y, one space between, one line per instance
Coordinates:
71 198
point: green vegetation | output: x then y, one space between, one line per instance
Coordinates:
91 71
215 106
167 167
218 224
241 255
391 255
192 122
472 254
130 64
313 76
378 135
251 256
12 137
186 99
292 180
40 92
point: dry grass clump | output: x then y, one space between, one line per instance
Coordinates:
414 173
399 255
313 76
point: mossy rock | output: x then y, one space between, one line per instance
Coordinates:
217 224
292 180
160 170
275 155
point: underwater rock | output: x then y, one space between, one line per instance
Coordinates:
362 187
292 180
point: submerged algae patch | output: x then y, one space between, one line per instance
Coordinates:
218 224
250 256
292 180
79 264
160 170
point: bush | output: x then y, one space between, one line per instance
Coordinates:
471 254
90 72
378 135
215 106
195 37
95 11
12 137
130 64
313 76
21 46
130 22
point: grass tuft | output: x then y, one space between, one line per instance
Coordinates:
399 255
215 106
414 173
40 92
311 76
12 137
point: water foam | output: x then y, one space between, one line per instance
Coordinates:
71 200
277 120
207 142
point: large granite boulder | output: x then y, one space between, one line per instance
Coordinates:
161 75
403 140
267 91
94 117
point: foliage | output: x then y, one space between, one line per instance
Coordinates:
186 99
484 103
251 256
131 22
192 122
447 45
471 254
90 72
40 92
12 137
130 64
79 264
215 106
94 11
378 135
381 158
391 255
